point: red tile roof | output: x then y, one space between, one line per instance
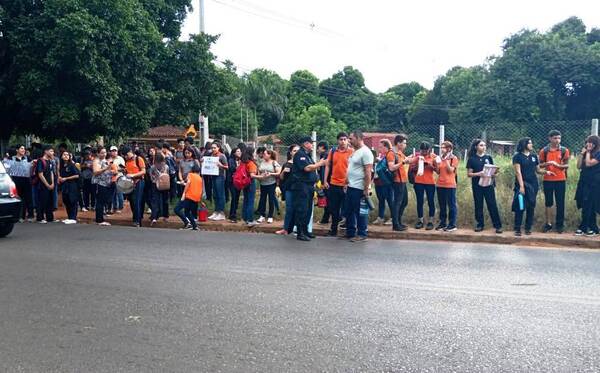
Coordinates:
165 132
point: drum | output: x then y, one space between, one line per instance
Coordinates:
125 184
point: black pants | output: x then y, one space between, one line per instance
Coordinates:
400 202
589 221
23 185
335 200
487 194
159 203
89 194
303 203
45 204
530 211
208 187
326 210
556 190
187 211
103 199
267 191
70 201
421 190
235 203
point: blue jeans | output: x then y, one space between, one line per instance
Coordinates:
289 210
187 210
447 202
353 197
118 200
248 205
385 193
136 201
218 185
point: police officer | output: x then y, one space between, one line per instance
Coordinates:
304 174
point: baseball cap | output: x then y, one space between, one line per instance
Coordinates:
113 148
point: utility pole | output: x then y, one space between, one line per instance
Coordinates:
201 9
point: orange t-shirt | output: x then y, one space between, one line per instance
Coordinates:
401 175
555 155
131 165
427 177
339 171
251 168
447 179
193 191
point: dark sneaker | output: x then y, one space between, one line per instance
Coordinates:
400 228
479 228
429 226
518 233
499 231
440 227
302 237
331 234
450 228
419 225
358 239
560 230
527 232
547 228
579 232
591 234
310 235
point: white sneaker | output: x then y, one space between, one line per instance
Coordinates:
149 211
219 217
104 224
388 222
84 209
378 221
42 222
214 214
270 221
70 221
261 220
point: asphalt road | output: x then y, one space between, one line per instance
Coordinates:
87 299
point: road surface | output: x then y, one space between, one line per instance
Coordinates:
90 299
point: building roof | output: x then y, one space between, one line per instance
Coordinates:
503 142
165 132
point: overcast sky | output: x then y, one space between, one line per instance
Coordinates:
390 42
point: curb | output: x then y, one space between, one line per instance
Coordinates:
413 235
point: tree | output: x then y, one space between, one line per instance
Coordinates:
168 15
265 95
351 102
187 80
303 92
316 118
394 104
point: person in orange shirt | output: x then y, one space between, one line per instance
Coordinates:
397 164
136 169
425 184
336 171
187 208
555 158
446 166
384 185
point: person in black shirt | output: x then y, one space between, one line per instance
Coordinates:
69 181
304 172
526 165
322 152
45 186
587 196
475 165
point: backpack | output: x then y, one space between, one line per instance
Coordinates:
172 166
383 172
241 177
163 183
35 179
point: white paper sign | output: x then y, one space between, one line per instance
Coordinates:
489 170
209 166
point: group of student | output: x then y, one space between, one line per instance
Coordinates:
343 174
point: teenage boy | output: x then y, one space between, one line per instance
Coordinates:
396 164
446 167
46 172
555 157
336 171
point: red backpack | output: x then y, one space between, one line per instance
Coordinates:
241 177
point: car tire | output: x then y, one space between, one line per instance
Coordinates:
5 229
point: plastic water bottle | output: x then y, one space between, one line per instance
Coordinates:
364 207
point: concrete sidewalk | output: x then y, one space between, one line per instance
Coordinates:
566 240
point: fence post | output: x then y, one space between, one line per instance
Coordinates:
442 134
595 127
313 137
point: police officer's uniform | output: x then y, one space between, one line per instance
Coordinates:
303 188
